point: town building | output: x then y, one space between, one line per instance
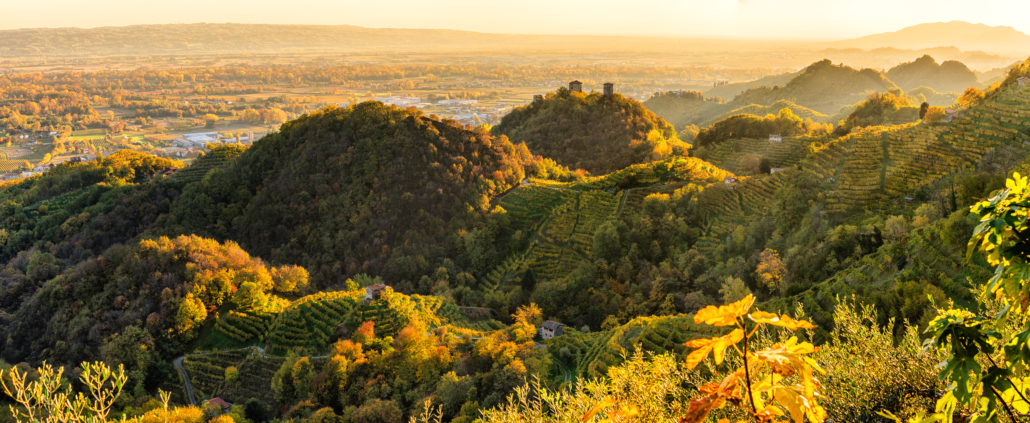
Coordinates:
551 329
373 292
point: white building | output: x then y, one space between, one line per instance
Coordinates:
1022 81
456 102
197 140
775 137
399 100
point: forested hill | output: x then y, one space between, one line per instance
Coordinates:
590 131
364 189
822 86
924 71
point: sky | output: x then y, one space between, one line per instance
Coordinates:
776 19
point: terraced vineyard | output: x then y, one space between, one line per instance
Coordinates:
202 165
730 155
309 322
207 370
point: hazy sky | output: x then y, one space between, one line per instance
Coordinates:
829 19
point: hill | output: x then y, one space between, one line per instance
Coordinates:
327 191
729 91
822 86
680 108
759 110
963 35
590 131
924 71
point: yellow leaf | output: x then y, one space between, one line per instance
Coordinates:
605 403
724 315
718 345
782 320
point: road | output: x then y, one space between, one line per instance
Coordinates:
564 369
185 380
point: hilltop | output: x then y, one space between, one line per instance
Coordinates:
924 71
963 35
822 86
591 131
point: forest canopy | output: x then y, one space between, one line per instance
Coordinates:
591 131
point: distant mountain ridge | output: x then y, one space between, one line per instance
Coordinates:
963 35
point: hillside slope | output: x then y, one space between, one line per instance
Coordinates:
590 131
823 87
924 71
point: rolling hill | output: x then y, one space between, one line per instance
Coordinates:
949 76
822 86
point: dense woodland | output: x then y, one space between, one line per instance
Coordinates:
251 261
591 131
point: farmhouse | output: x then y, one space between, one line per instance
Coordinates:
1022 81
373 292
729 181
551 329
777 169
775 137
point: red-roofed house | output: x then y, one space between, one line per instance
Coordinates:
219 402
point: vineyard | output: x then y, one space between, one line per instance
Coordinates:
592 353
212 159
731 155
308 324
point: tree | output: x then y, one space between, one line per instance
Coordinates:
231 374
378 411
607 244
290 279
971 97
191 313
733 290
303 373
771 269
210 121
250 296
934 115
923 108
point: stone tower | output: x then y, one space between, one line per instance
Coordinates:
576 87
538 98
609 89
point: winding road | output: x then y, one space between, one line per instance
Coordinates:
185 379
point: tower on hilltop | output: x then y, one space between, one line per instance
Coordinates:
576 86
